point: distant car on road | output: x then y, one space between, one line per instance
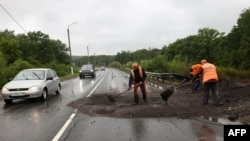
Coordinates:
102 68
87 70
32 83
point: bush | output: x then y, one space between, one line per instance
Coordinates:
158 64
17 66
115 64
61 69
10 71
232 73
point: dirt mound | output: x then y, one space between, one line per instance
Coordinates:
182 104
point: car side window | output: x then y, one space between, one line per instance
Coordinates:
52 73
48 74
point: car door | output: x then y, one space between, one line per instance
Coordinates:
55 82
49 82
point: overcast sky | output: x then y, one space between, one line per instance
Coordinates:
110 26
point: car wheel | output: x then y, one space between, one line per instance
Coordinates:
58 91
44 94
8 101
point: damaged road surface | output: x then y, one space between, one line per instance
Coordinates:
184 117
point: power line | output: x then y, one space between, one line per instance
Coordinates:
13 18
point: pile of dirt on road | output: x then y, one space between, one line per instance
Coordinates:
182 104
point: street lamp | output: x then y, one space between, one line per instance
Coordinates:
72 72
88 52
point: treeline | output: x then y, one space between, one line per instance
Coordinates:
99 60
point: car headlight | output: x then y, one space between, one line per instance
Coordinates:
5 90
33 89
91 70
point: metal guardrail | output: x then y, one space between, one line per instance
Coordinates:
167 76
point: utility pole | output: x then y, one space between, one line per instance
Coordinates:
88 53
94 59
71 64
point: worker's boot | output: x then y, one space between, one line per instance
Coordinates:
145 98
136 98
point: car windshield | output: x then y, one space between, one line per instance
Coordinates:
30 75
86 67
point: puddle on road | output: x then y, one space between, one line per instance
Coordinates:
218 120
148 129
210 128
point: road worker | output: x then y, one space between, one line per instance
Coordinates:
210 81
193 70
137 78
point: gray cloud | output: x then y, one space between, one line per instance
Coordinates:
113 25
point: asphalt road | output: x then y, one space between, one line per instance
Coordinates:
37 120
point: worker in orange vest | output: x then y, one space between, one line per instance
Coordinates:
193 70
137 78
210 81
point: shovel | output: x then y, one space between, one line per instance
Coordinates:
112 98
181 85
168 92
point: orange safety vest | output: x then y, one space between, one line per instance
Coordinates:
209 72
140 73
195 68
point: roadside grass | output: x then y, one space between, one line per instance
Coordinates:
231 73
124 69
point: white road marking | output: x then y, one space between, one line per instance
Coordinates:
62 130
95 87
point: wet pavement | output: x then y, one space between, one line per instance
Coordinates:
144 129
41 120
89 128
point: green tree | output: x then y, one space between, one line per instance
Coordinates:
207 39
244 27
3 79
9 47
123 57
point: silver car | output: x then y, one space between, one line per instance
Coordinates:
32 83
